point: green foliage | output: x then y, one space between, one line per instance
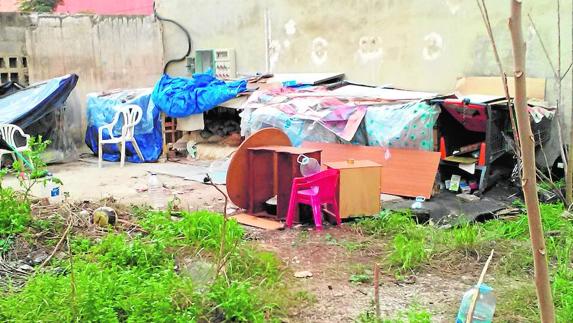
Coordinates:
408 252
80 245
360 278
413 246
117 251
236 301
414 314
33 169
38 5
133 279
201 228
14 213
102 294
387 222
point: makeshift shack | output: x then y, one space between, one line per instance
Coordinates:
40 110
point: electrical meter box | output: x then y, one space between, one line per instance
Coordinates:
220 61
225 63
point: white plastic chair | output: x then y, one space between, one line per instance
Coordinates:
7 132
131 114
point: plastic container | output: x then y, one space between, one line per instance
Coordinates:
485 305
308 166
155 191
218 170
418 203
53 189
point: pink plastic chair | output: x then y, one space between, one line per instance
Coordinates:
314 190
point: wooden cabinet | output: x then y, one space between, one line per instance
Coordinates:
358 188
271 171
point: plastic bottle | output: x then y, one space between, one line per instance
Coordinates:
155 191
485 305
54 191
308 166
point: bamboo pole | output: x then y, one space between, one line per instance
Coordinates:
528 178
470 315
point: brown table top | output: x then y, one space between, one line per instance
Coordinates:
287 149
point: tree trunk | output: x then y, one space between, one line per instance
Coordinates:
569 172
528 177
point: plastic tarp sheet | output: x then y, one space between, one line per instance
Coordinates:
41 110
308 111
101 110
180 97
298 130
408 126
27 106
351 114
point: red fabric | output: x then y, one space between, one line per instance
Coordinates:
107 7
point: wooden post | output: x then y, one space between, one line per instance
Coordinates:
569 172
164 135
377 289
528 177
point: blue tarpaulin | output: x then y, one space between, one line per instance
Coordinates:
100 111
180 97
27 106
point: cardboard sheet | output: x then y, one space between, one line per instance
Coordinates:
492 86
258 222
408 173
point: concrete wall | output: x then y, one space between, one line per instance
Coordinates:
106 53
415 44
13 56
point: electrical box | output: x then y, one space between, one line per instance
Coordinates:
204 60
220 61
225 63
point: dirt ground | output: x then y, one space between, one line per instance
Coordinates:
326 255
331 255
83 180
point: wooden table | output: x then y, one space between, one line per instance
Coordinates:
270 172
358 187
237 175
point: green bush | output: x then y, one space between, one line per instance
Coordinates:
408 252
102 294
14 213
202 229
117 250
236 301
134 279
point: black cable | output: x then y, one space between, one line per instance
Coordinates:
175 60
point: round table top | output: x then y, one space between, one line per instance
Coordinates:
237 176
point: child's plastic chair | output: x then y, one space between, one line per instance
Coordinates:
314 190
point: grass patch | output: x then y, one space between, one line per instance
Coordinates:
414 314
137 279
415 247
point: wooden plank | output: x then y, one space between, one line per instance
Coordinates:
410 173
406 173
261 169
257 222
491 85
